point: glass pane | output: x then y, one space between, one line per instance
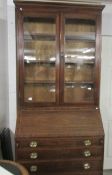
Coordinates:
78 93
39 59
39 72
81 28
78 72
79 61
40 25
79 51
39 93
39 51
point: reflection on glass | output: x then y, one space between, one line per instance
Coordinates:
39 25
39 93
39 59
40 50
78 93
39 72
79 51
81 28
78 72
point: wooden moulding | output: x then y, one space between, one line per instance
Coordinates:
98 2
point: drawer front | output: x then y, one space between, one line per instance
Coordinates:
69 173
61 142
64 165
58 153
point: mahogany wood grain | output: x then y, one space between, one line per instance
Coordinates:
60 12
57 152
64 165
60 127
69 173
54 124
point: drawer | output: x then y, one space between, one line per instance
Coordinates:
58 153
70 173
63 165
43 142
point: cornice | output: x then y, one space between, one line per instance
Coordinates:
70 1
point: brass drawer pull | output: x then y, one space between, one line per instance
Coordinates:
87 142
87 153
33 144
86 166
33 156
33 168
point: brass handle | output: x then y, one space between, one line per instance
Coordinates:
87 153
33 144
86 166
33 168
33 155
87 142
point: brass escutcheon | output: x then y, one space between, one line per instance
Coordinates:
87 142
33 155
86 166
87 153
33 168
33 144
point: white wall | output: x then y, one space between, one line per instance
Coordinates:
11 63
3 66
106 74
106 83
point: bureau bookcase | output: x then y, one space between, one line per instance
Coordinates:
59 129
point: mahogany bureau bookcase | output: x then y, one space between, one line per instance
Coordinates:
59 128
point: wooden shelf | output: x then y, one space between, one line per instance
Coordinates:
53 62
39 82
76 62
39 62
90 38
51 37
79 83
39 36
66 84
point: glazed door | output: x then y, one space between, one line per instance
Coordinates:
79 59
40 82
59 61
